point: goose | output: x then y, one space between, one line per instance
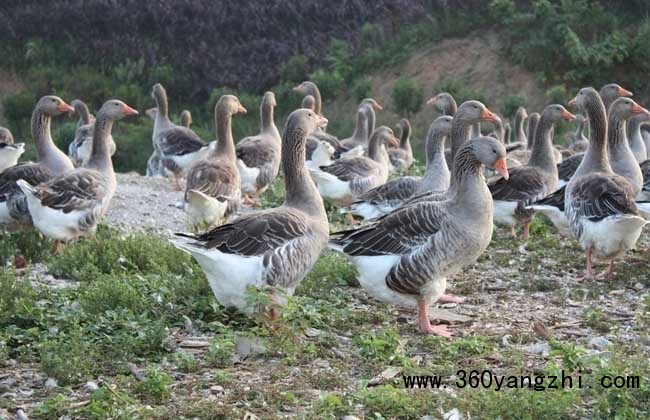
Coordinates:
274 247
178 147
622 163
531 125
357 145
645 133
81 146
346 179
309 88
600 205
10 153
258 157
309 102
14 212
405 258
637 145
520 133
71 205
467 114
531 182
5 136
517 149
186 118
321 156
445 103
608 93
579 141
154 167
402 157
385 198
213 190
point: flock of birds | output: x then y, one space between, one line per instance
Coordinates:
417 231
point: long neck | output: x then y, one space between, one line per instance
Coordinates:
48 153
404 141
361 128
580 126
374 148
370 115
163 105
533 123
542 155
520 135
459 135
100 157
596 158
301 191
437 168
467 176
450 109
266 115
312 90
616 131
225 143
636 139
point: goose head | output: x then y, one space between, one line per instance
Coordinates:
521 113
151 113
612 91
158 93
307 120
304 87
474 111
269 99
385 135
231 105
585 98
443 102
372 103
491 153
556 113
186 118
625 108
53 106
6 136
114 109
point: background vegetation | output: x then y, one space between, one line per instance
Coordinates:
93 50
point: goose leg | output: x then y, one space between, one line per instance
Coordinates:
58 247
513 232
425 325
446 298
609 273
177 181
589 272
249 201
526 231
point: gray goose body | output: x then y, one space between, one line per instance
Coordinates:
10 153
213 187
533 181
637 145
14 211
274 247
5 136
386 198
365 125
402 157
346 179
405 257
258 157
310 88
579 141
71 205
599 204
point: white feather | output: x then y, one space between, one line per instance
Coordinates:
504 213
248 177
205 210
611 236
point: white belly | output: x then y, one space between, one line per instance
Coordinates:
612 236
504 213
5 218
330 187
368 210
205 211
187 160
248 177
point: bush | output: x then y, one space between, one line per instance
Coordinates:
407 96
361 88
511 103
295 69
558 94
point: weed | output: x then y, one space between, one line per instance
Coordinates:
155 386
221 351
185 362
378 345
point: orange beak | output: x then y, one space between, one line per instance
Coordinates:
501 166
568 116
573 102
296 89
393 141
63 107
129 111
638 109
377 106
241 110
431 101
490 116
624 92
322 122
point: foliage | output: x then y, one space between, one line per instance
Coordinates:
511 103
407 96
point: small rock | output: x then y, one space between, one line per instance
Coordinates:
638 287
20 415
599 343
350 418
542 349
321 363
295 371
51 383
384 376
452 415
312 332
91 386
249 347
217 390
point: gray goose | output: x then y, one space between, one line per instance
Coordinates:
531 126
402 157
213 190
535 180
10 152
357 145
154 166
645 133
636 136
405 258
5 136
71 205
273 247
579 141
637 145
445 103
258 157
81 146
310 88
346 179
385 198
469 113
179 147
600 205
186 118
51 162
608 93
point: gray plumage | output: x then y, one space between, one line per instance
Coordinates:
402 157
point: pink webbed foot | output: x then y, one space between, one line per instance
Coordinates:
425 325
446 298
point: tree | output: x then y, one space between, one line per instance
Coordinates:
407 96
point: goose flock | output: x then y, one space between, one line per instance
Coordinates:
407 234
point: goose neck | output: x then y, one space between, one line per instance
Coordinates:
596 158
100 157
542 155
301 190
225 143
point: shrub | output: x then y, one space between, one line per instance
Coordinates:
407 96
361 88
511 103
295 69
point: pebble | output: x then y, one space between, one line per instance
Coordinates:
51 383
542 348
599 343
91 386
